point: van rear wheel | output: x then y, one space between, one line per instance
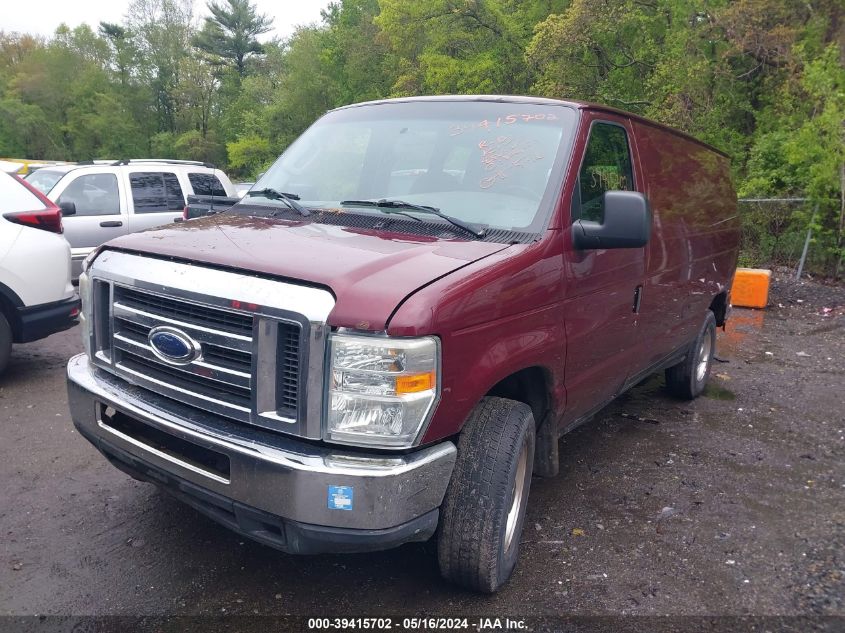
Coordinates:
688 378
484 508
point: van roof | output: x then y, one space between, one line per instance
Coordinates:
579 105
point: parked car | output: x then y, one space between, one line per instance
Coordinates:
242 187
388 336
10 167
36 296
24 166
103 200
201 206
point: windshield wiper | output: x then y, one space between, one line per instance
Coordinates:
383 209
290 199
421 208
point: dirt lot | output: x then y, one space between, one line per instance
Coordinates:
730 505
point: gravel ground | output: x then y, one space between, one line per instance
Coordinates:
730 505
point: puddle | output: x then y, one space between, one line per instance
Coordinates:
742 324
718 392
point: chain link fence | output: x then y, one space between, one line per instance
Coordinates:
775 230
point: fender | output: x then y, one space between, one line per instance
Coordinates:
10 296
495 317
10 304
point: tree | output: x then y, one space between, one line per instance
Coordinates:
124 52
467 46
357 59
163 32
306 89
250 155
231 31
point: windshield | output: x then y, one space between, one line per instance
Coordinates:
44 179
484 162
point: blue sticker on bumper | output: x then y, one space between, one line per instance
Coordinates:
340 497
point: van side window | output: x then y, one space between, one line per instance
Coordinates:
606 167
93 194
206 185
156 192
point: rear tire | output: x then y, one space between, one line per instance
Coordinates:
484 508
5 342
688 378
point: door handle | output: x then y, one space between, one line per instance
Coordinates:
111 224
638 297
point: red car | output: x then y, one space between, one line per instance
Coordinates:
387 336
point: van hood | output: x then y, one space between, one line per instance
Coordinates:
369 272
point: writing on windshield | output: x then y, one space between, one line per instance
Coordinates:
502 154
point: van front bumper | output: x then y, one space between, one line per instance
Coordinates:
295 496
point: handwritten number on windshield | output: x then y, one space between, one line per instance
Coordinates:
503 154
502 121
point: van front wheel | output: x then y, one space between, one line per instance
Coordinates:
484 508
688 378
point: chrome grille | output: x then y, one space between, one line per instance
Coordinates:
224 388
222 379
261 342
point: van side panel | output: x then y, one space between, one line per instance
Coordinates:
694 243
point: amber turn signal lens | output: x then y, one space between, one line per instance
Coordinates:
415 383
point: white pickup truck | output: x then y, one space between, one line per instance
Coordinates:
102 200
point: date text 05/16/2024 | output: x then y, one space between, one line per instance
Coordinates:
417 624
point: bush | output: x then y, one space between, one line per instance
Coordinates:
774 231
249 155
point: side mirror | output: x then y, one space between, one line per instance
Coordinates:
68 208
627 223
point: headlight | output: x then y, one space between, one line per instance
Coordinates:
381 390
85 316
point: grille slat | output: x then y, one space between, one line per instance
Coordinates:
202 334
199 369
176 385
232 322
187 378
222 379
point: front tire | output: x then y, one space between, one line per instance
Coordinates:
688 378
5 342
484 508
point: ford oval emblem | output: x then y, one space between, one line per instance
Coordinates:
173 346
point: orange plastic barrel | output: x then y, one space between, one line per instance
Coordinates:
751 287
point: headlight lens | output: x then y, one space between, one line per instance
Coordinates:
381 390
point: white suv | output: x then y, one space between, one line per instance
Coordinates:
105 199
36 295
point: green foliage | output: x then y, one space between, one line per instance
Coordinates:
762 80
250 155
163 145
192 145
473 46
230 33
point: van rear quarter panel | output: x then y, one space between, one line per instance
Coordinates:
694 244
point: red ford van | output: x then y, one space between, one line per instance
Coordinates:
388 335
